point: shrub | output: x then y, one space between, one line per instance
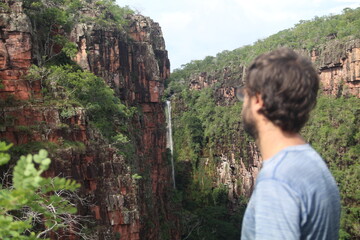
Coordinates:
32 199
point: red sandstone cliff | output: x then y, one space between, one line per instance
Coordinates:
339 67
135 65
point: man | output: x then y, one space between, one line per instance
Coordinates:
295 196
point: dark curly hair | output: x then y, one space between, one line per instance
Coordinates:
288 85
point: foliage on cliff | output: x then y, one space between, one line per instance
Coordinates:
203 129
52 21
203 123
68 86
32 200
63 82
333 131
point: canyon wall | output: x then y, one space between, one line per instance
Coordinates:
135 65
338 65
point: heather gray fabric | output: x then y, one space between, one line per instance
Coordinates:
295 197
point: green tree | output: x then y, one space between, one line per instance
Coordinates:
51 21
32 198
333 131
111 15
82 88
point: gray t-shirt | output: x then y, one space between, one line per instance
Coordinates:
295 197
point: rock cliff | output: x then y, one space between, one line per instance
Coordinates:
338 64
339 67
135 64
15 52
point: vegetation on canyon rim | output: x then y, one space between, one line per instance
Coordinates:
309 34
52 21
204 129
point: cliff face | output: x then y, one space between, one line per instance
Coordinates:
339 70
339 67
135 65
136 70
338 64
15 52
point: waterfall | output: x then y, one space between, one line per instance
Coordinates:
169 140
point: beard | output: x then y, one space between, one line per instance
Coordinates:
248 121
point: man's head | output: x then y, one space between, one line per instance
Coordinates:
287 84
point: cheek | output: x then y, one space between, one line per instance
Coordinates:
244 110
247 101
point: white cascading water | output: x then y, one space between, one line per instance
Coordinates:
169 140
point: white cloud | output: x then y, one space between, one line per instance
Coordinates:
348 1
194 29
175 20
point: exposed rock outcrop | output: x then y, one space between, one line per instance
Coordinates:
135 65
136 70
15 52
224 81
339 67
338 64
239 175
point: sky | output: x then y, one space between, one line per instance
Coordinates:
194 29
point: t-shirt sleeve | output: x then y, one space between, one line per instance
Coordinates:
277 211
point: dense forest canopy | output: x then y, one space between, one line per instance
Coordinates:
205 128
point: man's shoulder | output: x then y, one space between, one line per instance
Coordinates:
299 164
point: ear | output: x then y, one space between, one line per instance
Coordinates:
258 102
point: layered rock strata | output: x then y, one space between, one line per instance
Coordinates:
339 67
15 52
135 65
